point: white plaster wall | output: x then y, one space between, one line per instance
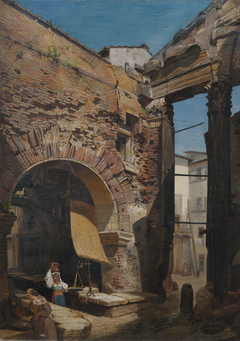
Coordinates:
198 188
120 56
181 188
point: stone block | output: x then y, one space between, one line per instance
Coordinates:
85 290
152 124
106 300
25 303
7 334
137 296
69 328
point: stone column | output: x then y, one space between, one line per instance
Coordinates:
160 194
219 180
6 223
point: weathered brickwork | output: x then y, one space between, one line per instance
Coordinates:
7 221
61 102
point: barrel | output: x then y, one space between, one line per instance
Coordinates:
186 298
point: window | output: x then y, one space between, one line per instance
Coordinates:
201 259
121 146
192 157
200 229
206 171
199 203
199 172
177 225
124 140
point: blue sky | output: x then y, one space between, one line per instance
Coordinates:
99 23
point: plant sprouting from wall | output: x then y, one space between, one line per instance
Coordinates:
18 53
50 23
53 53
65 62
5 207
41 52
75 64
28 44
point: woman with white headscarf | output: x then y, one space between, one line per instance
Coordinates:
53 281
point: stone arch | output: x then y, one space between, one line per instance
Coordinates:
20 154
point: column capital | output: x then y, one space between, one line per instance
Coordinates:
219 96
160 108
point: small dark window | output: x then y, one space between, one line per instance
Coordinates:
199 172
199 203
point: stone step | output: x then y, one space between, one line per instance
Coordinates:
70 324
103 299
7 334
137 296
116 304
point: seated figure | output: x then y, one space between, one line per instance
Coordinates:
229 310
205 305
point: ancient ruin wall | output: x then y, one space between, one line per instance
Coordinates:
69 106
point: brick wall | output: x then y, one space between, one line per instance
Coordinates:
69 107
7 221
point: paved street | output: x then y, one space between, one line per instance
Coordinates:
162 322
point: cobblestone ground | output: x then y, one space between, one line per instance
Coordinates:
163 322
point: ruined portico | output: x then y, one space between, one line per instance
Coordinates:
204 58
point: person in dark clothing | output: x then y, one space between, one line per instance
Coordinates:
44 327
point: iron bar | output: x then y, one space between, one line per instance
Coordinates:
194 175
186 222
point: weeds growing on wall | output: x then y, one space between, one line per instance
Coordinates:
18 53
54 54
28 44
5 207
75 64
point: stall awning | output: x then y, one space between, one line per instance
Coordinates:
85 235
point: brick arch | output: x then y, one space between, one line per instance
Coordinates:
22 153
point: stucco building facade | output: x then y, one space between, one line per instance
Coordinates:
190 254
